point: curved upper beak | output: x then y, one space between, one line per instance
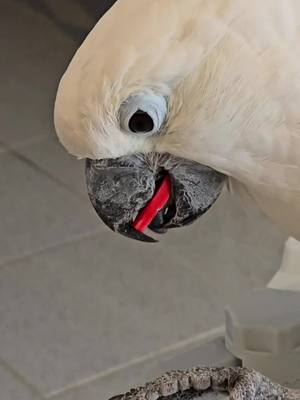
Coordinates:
120 188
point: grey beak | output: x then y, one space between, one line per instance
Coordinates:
120 188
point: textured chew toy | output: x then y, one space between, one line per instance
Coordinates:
158 202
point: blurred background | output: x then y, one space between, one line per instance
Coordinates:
85 313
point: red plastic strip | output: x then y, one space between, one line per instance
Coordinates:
158 202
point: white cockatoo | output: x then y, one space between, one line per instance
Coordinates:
176 85
203 91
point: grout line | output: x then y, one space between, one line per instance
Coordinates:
20 378
201 338
37 168
47 12
51 247
33 140
80 197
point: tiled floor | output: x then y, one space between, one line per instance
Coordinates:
83 312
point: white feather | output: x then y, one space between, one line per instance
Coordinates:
231 70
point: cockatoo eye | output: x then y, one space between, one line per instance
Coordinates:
141 122
143 113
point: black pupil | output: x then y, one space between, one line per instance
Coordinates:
141 122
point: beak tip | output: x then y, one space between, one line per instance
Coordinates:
130 232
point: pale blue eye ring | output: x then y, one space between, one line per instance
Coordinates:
143 113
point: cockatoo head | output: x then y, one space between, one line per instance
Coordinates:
133 102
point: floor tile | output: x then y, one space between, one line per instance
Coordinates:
14 389
36 212
2 149
84 12
50 155
27 96
211 353
85 307
29 25
39 39
230 247
70 17
36 55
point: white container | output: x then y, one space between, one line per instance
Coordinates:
263 331
288 276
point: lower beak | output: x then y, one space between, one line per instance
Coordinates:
119 190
